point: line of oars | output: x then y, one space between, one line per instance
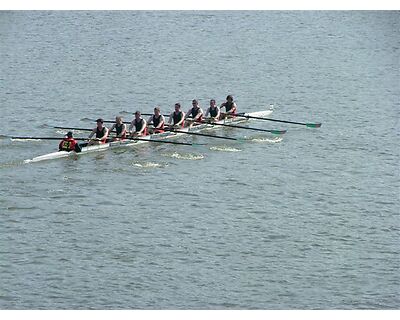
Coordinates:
108 139
243 115
172 129
278 132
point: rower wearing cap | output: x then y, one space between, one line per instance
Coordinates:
157 121
101 133
139 126
69 143
177 117
213 111
230 106
195 112
120 128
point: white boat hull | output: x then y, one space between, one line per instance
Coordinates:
129 143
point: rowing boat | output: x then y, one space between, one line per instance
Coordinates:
158 136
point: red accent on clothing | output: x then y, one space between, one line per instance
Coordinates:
67 144
200 119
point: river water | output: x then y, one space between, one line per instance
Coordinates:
306 221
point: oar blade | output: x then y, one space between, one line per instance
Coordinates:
313 125
278 132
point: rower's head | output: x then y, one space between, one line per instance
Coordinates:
212 103
118 119
195 103
138 114
99 122
229 98
69 134
177 106
157 110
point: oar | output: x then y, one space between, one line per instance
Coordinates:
150 140
248 128
218 124
310 125
167 141
44 138
68 128
110 121
80 129
190 133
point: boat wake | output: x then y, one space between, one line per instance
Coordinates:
11 164
149 165
266 140
28 140
64 131
184 156
225 149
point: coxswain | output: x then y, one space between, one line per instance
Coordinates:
157 121
69 144
138 126
213 111
120 128
177 117
101 133
230 107
195 113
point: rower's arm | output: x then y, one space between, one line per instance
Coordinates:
144 125
123 131
218 113
92 133
199 114
182 120
234 108
161 122
188 113
105 135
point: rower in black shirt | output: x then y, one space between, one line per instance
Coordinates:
177 118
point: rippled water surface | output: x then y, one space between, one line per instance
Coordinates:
307 220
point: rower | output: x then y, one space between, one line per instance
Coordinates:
177 117
195 112
230 107
139 125
101 133
213 111
69 144
157 121
120 128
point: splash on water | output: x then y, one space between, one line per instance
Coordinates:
149 165
184 156
64 131
266 139
225 149
28 140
